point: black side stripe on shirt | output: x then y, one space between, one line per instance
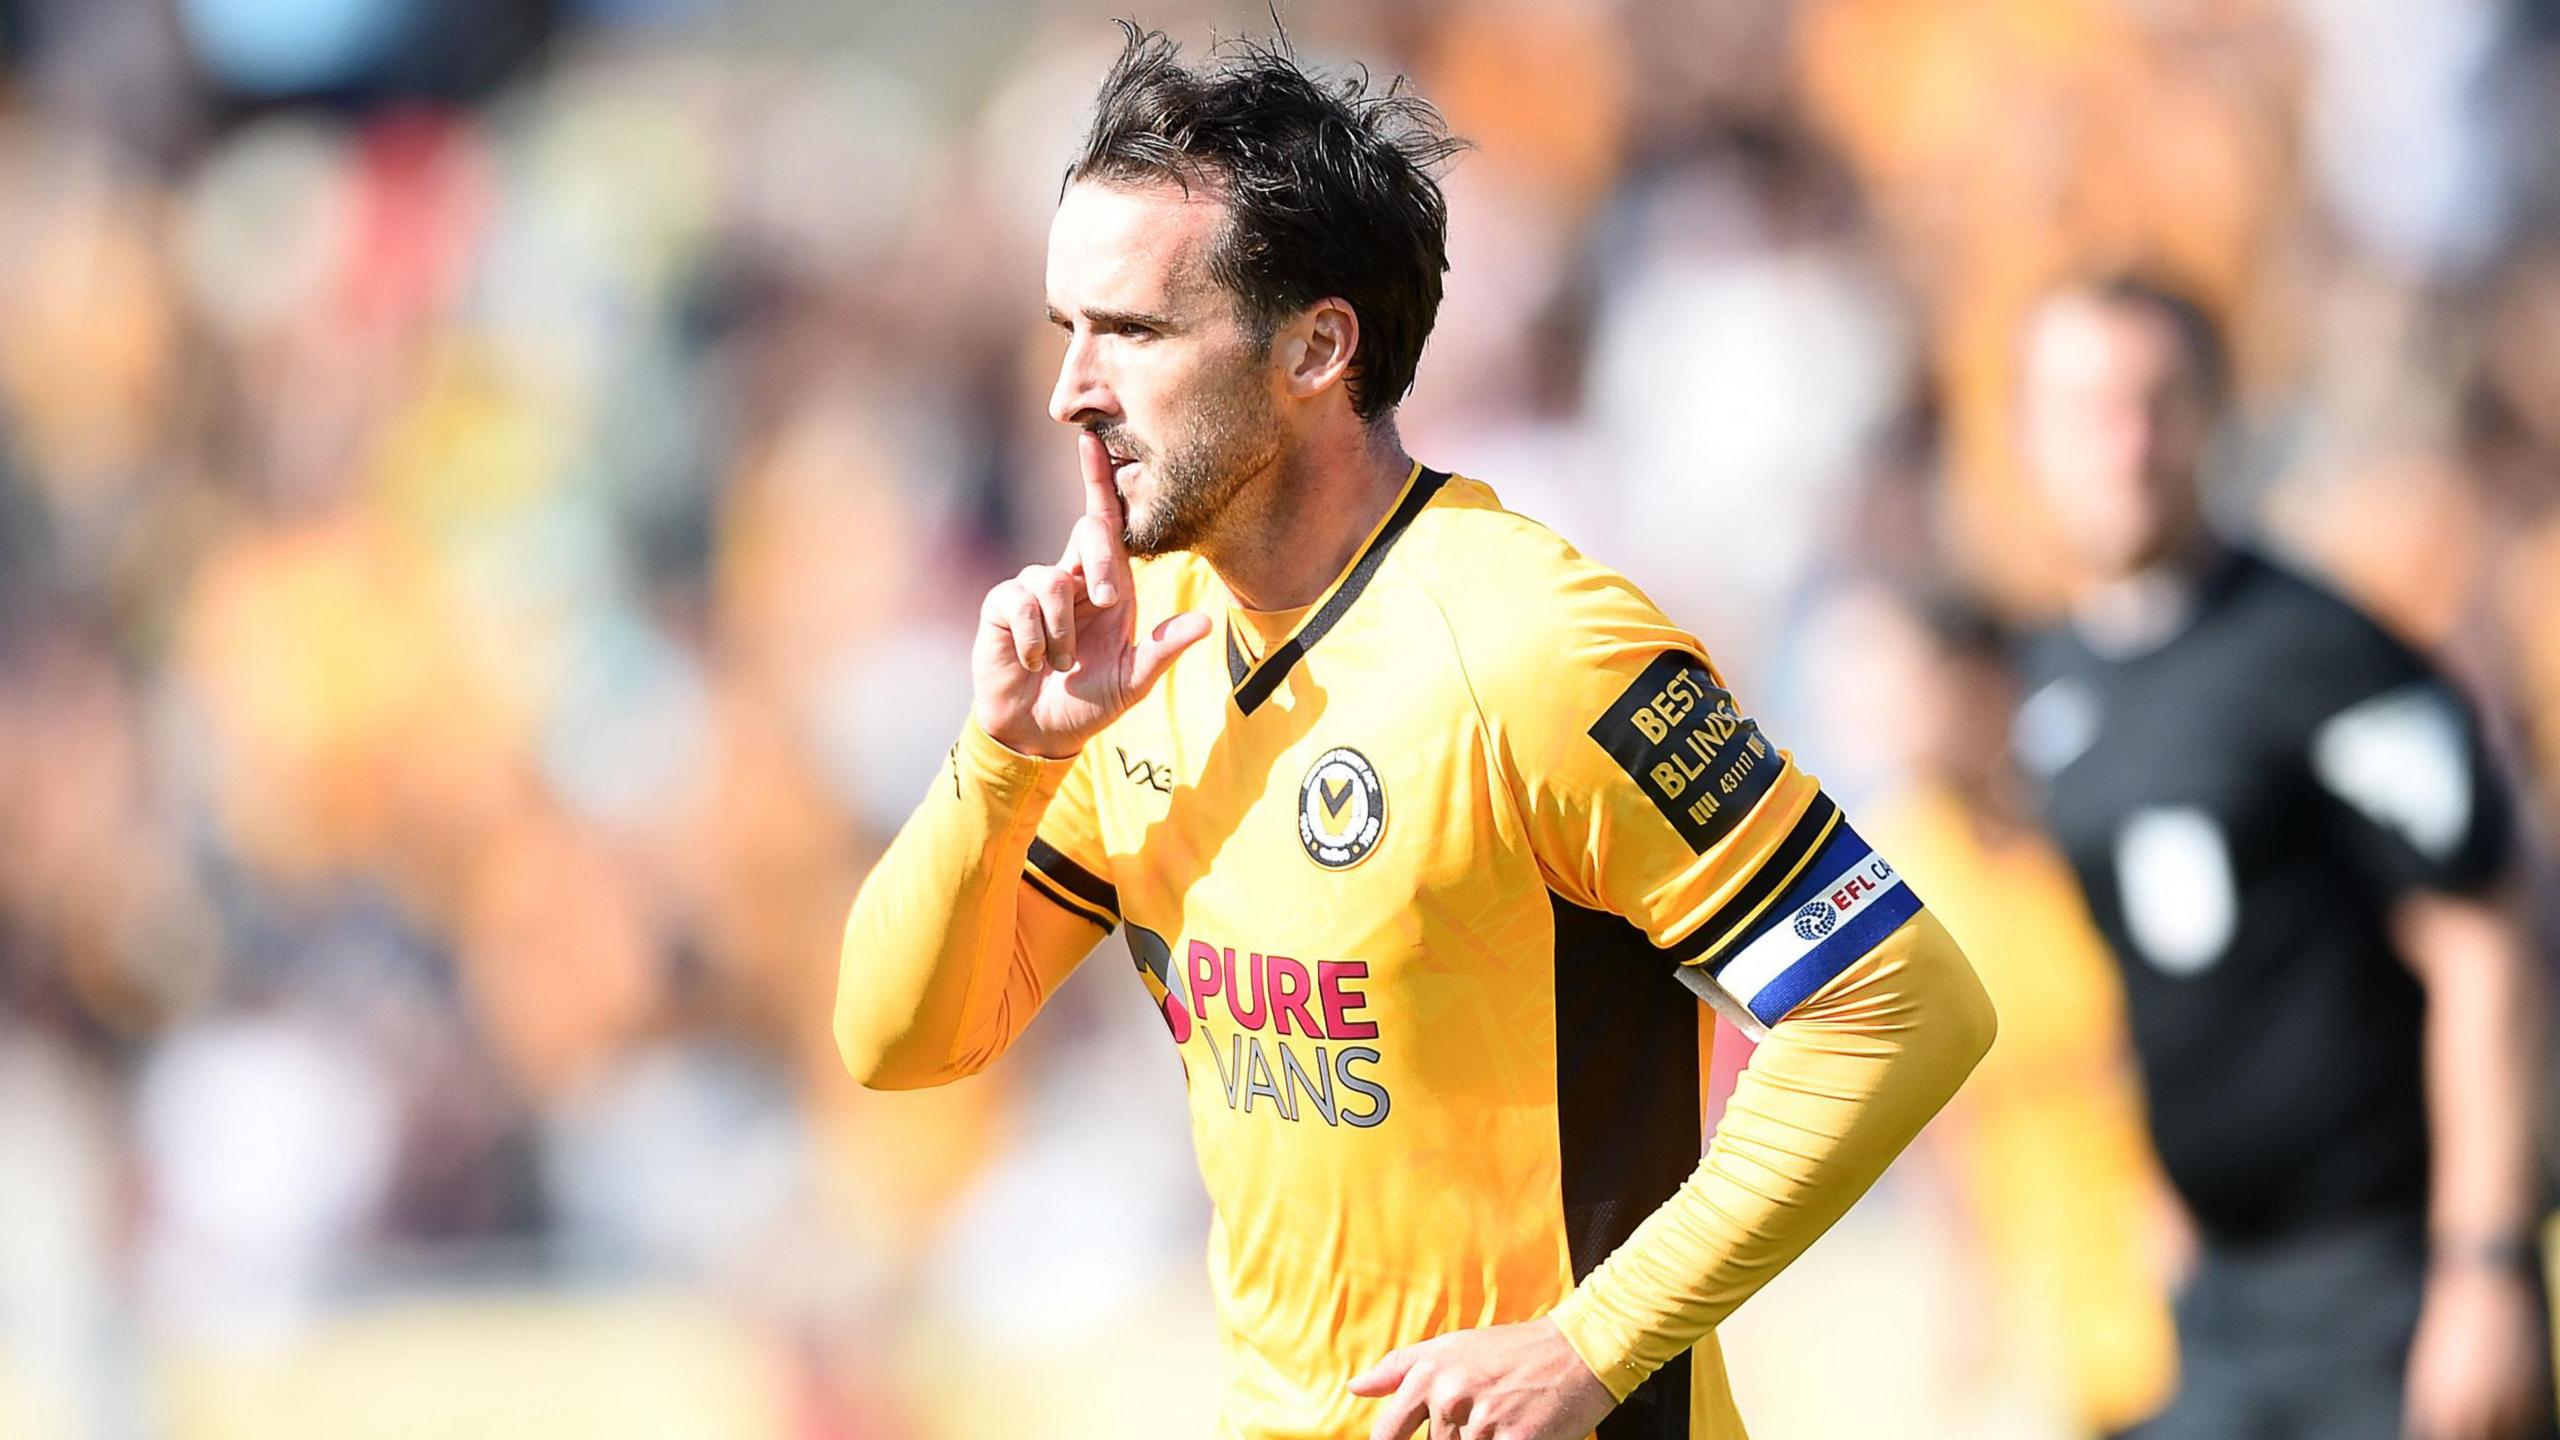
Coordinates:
1096 892
1050 892
1726 930
1257 687
1237 668
1628 1128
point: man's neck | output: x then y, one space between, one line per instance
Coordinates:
2145 608
1294 528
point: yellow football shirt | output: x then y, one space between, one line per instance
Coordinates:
1411 874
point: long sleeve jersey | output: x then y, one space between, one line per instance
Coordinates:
1413 875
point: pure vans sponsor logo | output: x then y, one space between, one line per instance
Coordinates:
1275 1026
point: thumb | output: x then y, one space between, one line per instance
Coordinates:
1150 656
1383 1377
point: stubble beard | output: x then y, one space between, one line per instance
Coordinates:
1198 475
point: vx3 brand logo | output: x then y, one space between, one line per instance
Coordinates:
1146 773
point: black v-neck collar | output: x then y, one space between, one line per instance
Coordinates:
1254 683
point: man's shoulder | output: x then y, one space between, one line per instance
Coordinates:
1495 568
2293 624
2260 614
1521 605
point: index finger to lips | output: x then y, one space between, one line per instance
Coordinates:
1108 568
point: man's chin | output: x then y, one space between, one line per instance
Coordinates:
1148 547
1139 535
1149 537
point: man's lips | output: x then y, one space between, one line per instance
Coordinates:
1121 462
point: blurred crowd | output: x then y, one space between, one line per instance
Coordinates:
493 495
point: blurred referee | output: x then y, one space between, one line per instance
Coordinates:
2295 844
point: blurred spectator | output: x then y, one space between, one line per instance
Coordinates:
2061 1197
1745 354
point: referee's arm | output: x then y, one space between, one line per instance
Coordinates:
2417 805
2483 1014
2474 1365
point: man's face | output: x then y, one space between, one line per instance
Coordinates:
1160 363
2114 428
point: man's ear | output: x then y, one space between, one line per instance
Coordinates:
1317 347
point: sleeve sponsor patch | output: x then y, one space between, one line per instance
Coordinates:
1693 753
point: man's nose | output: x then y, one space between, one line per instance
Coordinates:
1082 395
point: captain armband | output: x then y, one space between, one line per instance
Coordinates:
1841 904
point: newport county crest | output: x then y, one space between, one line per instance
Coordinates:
1342 810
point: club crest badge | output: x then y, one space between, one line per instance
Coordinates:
1342 810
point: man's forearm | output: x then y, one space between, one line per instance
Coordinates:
2483 1014
942 963
1835 1092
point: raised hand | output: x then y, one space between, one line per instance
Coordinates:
1058 655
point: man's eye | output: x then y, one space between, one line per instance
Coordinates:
1134 331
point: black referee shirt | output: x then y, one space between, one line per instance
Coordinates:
2244 802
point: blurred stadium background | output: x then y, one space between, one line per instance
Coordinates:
492 495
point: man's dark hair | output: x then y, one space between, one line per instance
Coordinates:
2199 334
1329 187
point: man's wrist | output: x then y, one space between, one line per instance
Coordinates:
1005 776
1010 747
1606 1348
2500 1252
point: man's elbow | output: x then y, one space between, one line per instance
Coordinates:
1957 1014
880 1056
2456 944
1974 1020
879 1026
895 1079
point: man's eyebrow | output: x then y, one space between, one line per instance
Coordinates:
1116 319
